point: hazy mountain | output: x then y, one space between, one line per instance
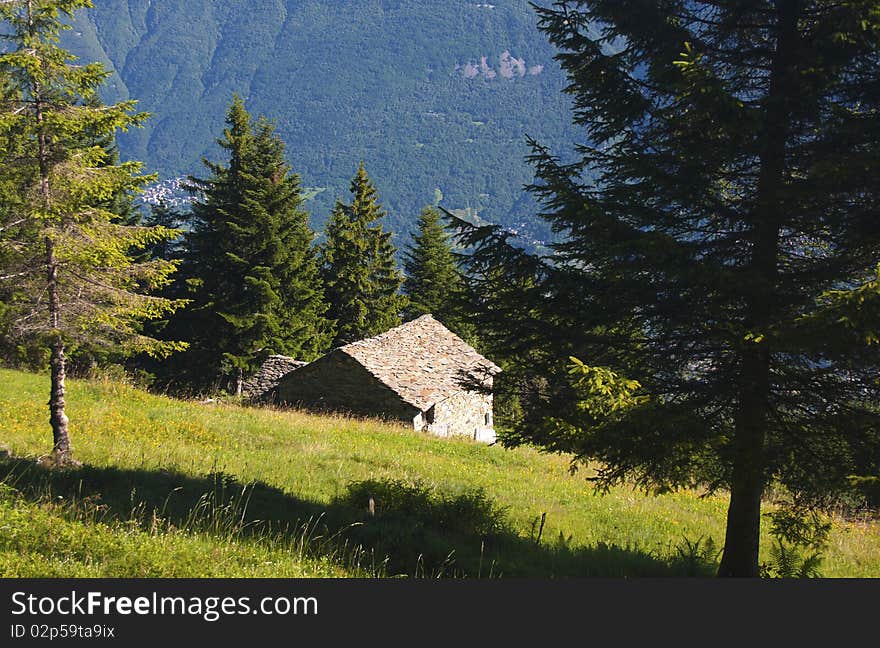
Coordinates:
436 97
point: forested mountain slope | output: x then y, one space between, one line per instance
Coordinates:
436 97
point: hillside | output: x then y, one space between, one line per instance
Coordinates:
173 488
436 97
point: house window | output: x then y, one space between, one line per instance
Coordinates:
488 419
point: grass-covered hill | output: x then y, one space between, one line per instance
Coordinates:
174 488
432 95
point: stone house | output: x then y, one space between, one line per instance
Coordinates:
419 373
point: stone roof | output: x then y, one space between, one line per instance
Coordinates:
423 362
270 374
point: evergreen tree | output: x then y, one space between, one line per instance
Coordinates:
707 279
14 227
258 288
433 281
72 258
360 271
83 356
171 217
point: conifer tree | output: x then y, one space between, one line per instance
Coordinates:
250 255
705 317
433 281
360 271
13 225
71 258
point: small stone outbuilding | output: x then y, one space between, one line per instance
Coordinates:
262 385
419 373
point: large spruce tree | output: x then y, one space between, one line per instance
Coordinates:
433 281
713 278
361 275
70 256
257 286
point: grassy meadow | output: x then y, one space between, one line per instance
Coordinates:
171 488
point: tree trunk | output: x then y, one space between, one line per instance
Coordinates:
57 364
743 533
239 382
61 453
748 480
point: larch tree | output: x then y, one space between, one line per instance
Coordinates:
71 260
258 286
705 318
360 271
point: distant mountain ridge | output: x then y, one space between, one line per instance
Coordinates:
436 98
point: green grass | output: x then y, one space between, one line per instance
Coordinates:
63 540
174 488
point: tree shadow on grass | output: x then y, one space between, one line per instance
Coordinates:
408 528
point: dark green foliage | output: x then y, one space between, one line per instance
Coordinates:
472 513
790 561
799 539
172 218
360 272
14 229
697 557
420 527
249 261
867 491
718 275
434 283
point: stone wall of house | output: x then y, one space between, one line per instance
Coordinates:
465 413
338 383
261 386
